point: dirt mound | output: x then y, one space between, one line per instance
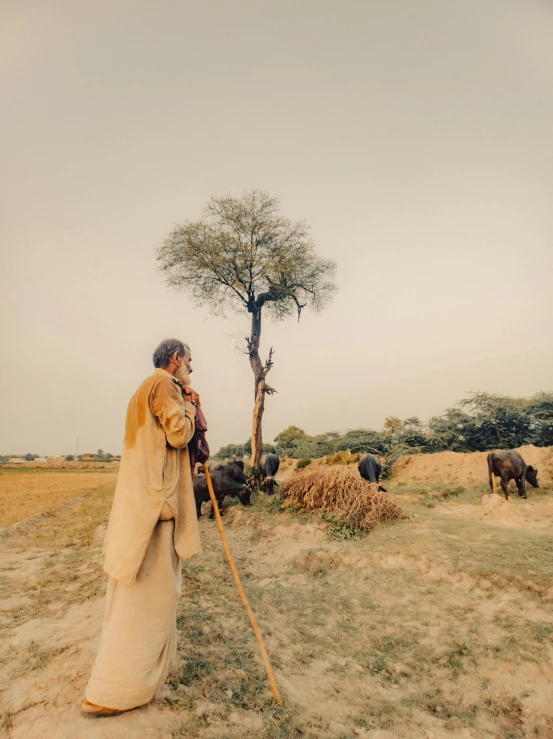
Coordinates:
466 469
514 513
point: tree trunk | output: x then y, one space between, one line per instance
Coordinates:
259 386
261 389
257 431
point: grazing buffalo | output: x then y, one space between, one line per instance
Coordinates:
227 479
269 467
369 468
509 465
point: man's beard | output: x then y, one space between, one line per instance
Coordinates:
183 375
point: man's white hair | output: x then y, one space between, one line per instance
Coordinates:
166 349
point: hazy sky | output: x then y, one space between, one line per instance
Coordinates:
414 137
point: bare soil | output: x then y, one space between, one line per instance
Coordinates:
438 626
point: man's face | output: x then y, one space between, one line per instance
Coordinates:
183 367
187 361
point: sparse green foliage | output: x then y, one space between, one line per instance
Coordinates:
339 529
304 462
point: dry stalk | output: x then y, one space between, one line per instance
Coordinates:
340 490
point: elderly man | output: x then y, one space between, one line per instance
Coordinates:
152 526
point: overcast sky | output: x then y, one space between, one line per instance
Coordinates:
414 137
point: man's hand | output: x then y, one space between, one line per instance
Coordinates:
190 395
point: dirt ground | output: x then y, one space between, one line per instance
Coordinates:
438 626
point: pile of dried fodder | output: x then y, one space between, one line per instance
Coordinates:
341 492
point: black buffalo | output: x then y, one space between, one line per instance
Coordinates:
369 468
269 467
227 479
509 465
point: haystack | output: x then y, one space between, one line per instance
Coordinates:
340 491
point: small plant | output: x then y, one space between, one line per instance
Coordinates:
452 492
338 528
302 463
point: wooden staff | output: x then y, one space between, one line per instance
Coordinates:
243 598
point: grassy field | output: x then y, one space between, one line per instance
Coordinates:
438 626
24 494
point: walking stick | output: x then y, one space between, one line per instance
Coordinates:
243 598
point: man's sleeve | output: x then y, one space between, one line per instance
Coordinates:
175 415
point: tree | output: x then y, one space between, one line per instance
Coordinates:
243 256
290 435
363 440
392 426
498 421
225 452
540 411
452 431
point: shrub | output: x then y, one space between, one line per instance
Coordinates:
345 457
302 463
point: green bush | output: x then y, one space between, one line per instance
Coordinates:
302 463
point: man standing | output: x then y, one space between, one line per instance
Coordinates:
152 526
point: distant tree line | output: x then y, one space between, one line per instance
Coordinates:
27 457
241 450
479 423
100 456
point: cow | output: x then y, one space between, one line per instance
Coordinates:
509 465
227 479
369 468
269 467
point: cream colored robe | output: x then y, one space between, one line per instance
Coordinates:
143 554
155 469
139 634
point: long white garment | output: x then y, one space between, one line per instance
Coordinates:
139 635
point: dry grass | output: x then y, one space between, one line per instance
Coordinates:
342 492
342 458
26 494
445 631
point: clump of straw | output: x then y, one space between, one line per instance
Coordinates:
340 491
